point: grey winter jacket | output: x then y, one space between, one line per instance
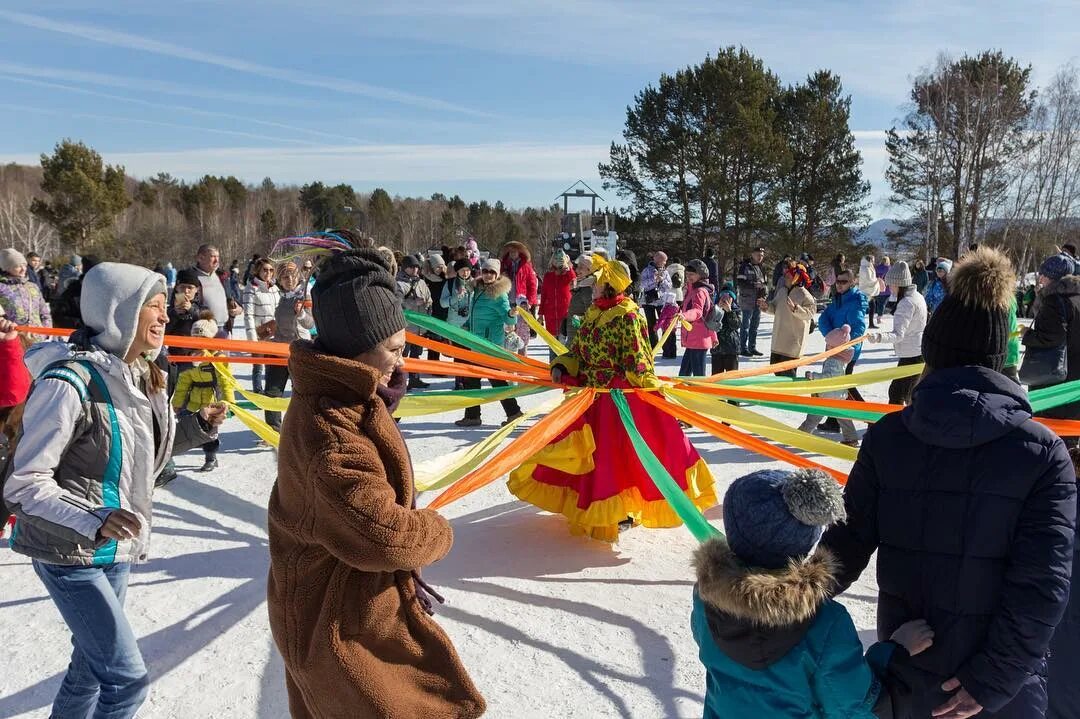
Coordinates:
92 441
292 326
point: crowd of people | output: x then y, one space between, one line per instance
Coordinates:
969 503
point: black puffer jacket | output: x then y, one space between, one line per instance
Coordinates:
972 508
1057 321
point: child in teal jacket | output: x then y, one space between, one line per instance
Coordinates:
773 642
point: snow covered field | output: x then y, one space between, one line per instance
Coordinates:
549 625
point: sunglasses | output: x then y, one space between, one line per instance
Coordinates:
487 272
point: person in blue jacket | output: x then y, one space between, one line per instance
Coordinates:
772 641
848 307
971 508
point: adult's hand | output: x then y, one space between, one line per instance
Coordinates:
236 311
7 330
120 524
762 304
960 705
213 414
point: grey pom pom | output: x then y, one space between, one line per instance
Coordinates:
814 498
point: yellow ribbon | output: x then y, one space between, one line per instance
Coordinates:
667 333
610 272
541 331
832 384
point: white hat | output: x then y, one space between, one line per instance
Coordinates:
207 328
11 258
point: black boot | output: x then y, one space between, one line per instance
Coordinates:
211 463
829 425
416 383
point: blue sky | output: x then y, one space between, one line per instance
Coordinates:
491 99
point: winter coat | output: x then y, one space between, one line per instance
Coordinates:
490 312
921 278
882 270
935 294
727 339
521 274
198 386
180 324
580 300
260 304
867 281
415 296
909 321
1057 322
291 326
790 328
458 305
1062 688
92 440
971 507
750 280
65 306
654 283
555 299
435 284
848 308
212 295
774 644
23 303
697 303
677 273
16 384
345 544
710 263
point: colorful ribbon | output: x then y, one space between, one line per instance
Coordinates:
550 340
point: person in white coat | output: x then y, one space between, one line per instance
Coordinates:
909 321
868 284
261 298
96 432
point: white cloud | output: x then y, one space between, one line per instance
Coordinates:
136 42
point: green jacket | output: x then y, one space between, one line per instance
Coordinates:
1012 355
491 311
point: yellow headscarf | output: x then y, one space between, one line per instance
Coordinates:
610 272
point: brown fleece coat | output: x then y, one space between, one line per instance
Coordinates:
343 541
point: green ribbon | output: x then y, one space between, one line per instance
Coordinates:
1059 394
460 336
690 515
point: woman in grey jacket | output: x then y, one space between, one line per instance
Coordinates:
97 430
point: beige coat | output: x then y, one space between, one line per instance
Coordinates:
344 542
791 327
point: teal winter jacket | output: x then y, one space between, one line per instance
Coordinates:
491 311
774 645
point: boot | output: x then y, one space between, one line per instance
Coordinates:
416 383
469 422
210 465
829 425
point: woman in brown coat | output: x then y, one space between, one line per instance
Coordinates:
348 610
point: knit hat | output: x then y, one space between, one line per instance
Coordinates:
207 328
435 262
409 261
898 275
11 258
659 256
839 336
944 265
971 325
492 264
584 263
462 265
355 303
112 297
1054 267
772 516
698 267
187 277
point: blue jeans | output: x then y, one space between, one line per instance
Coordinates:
106 678
748 330
693 363
257 378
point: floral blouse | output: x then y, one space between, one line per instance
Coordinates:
611 344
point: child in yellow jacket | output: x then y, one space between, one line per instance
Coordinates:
200 385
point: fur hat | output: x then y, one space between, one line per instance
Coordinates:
355 303
971 325
698 267
1054 267
207 328
773 516
898 275
492 264
839 336
11 258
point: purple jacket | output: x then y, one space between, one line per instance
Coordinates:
881 271
23 303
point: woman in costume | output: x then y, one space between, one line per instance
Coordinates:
590 473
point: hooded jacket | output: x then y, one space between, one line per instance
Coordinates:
555 298
868 279
344 544
847 308
490 311
260 304
791 327
457 304
23 302
92 439
909 321
774 644
971 507
1057 322
697 302
521 274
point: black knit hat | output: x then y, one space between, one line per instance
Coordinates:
355 303
971 325
187 277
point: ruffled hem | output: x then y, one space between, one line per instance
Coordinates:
600 520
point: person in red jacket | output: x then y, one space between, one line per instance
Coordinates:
555 295
517 266
13 391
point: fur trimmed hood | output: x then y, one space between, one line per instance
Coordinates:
500 286
767 598
1067 285
514 245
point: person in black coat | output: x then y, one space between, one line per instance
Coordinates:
971 506
1058 322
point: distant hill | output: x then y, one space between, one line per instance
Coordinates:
875 232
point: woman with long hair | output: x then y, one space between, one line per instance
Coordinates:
909 321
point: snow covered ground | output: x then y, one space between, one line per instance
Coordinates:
549 625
